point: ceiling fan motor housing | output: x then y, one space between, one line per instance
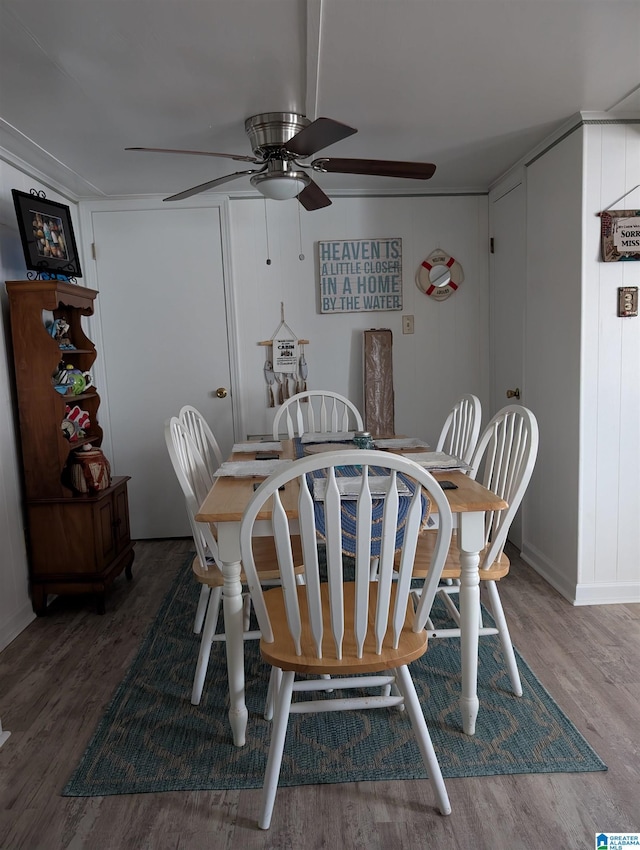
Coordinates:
272 130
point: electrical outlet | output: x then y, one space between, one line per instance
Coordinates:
628 301
407 324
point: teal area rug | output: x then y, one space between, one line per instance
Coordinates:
152 739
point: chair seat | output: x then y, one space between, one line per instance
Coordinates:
424 554
265 556
281 653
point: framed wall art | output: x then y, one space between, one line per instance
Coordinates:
48 240
620 235
360 275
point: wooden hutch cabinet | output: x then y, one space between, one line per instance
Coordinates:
77 542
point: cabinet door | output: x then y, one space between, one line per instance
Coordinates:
164 345
104 532
121 518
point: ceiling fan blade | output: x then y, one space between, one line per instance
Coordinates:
210 184
376 167
237 156
313 198
319 134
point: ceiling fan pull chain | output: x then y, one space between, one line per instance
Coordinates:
266 227
300 255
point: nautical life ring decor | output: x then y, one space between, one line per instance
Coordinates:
439 275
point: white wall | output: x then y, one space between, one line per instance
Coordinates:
445 357
15 604
582 370
552 358
609 548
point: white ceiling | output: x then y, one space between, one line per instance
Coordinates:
471 85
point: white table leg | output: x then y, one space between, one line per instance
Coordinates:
233 627
470 542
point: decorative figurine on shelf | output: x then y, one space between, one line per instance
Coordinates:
58 329
67 376
68 430
75 424
88 470
61 375
78 380
60 379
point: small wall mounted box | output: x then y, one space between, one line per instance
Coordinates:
627 301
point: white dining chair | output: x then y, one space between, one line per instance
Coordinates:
339 627
461 428
203 437
192 475
207 445
459 434
506 455
316 412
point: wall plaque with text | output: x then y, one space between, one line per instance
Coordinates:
360 275
620 235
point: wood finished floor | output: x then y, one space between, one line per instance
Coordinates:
58 675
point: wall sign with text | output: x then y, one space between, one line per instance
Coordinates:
360 275
620 235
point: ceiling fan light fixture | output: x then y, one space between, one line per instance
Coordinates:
281 187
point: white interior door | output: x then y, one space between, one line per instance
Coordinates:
164 338
507 286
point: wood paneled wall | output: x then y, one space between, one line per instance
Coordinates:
610 370
582 369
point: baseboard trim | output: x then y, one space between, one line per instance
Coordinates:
607 593
535 559
17 623
586 593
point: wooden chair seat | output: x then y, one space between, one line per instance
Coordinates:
424 557
266 563
281 653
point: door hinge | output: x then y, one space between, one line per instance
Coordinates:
492 247
93 250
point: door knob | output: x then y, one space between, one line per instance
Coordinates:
221 392
513 393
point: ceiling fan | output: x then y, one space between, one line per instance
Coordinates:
279 141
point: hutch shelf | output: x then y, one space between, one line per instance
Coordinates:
77 543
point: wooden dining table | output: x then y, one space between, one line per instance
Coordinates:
224 506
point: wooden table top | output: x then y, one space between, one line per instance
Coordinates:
228 498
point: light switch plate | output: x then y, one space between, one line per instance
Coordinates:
627 301
407 324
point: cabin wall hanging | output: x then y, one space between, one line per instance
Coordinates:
285 369
439 275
